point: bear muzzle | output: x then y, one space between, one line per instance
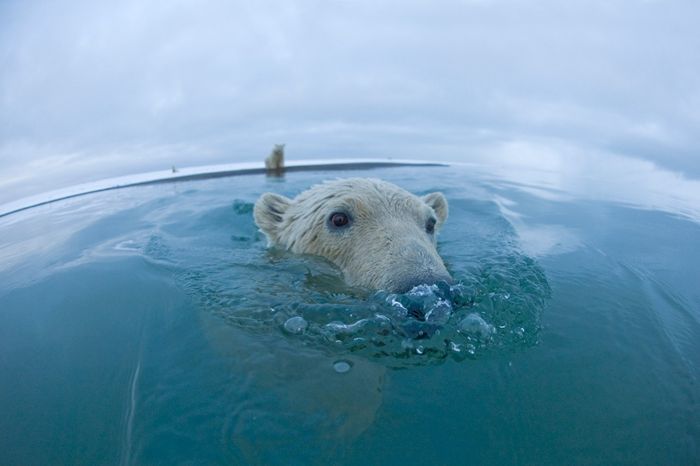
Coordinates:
411 264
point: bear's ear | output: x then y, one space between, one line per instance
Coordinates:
269 212
439 204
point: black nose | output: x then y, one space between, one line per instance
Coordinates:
409 283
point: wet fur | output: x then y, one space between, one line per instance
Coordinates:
386 245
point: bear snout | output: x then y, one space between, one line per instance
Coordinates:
415 264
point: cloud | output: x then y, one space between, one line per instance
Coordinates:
119 88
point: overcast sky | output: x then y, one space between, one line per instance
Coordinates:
92 89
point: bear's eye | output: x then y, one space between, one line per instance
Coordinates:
430 225
339 219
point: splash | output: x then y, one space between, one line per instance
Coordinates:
431 323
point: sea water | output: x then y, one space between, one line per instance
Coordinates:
152 325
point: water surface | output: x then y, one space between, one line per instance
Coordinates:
151 325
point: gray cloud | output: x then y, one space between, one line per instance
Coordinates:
91 89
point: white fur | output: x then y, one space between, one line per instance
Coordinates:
385 246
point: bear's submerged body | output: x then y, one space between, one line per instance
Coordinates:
379 235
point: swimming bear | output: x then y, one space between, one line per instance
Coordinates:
378 234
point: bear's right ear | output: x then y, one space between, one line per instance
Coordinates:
438 203
269 213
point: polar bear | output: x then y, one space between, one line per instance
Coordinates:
379 235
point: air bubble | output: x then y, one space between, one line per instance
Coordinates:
475 325
341 367
296 325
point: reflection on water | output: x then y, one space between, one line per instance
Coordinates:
562 172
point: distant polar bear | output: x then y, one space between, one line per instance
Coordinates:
379 235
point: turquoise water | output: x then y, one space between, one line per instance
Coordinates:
151 325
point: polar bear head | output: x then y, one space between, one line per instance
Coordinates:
379 235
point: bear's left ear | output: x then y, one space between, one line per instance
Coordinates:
439 204
269 213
